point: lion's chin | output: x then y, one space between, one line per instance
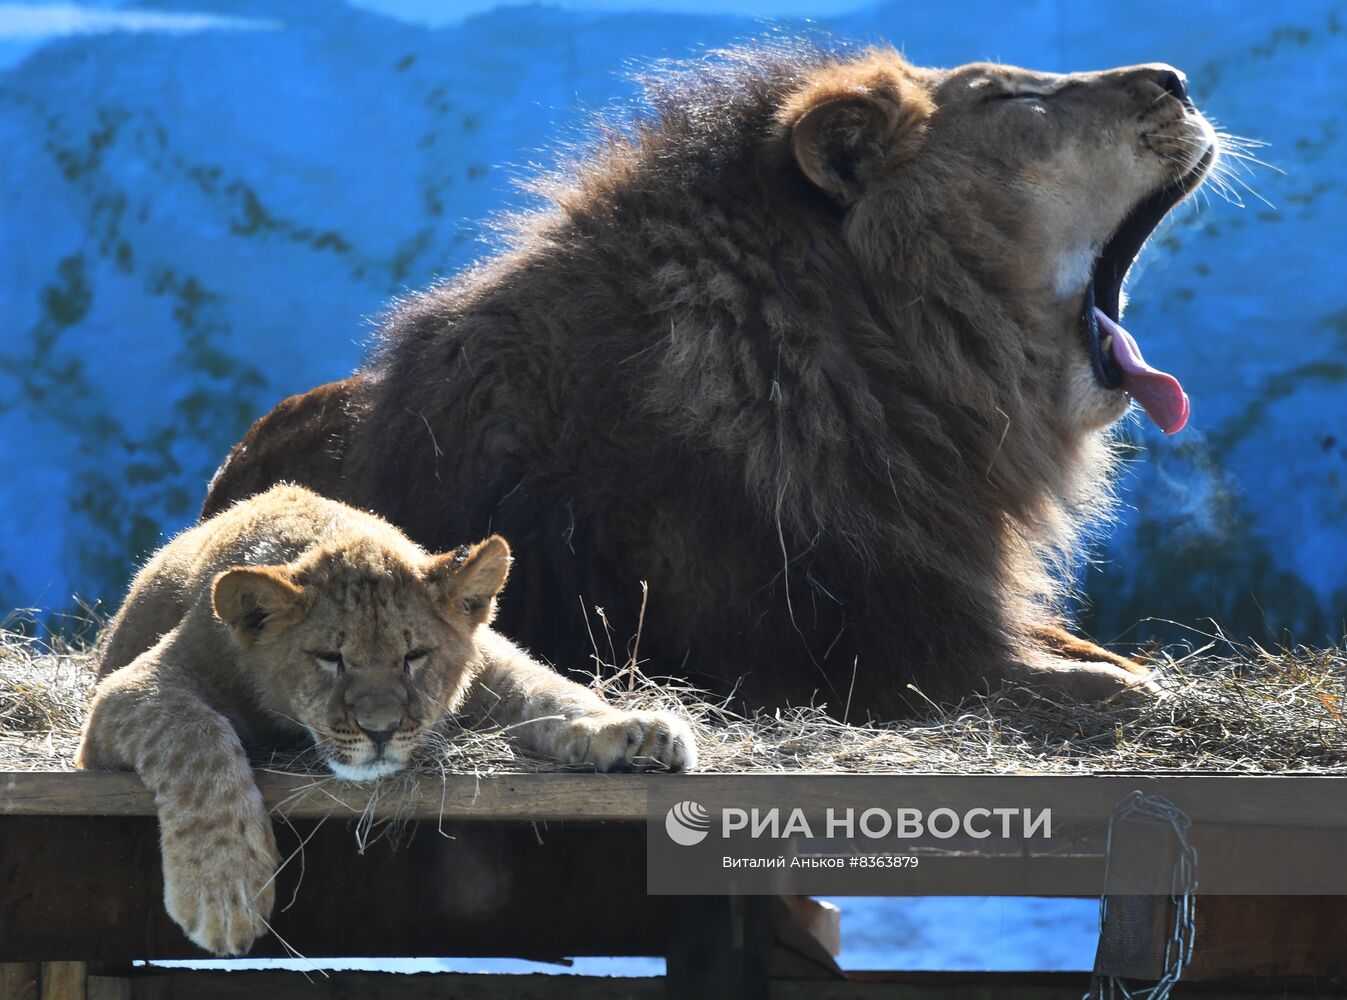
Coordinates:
1090 406
365 772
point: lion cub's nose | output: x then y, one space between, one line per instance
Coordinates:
379 736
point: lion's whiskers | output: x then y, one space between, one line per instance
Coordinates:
1225 175
1235 156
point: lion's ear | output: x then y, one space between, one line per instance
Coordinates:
843 132
257 601
467 581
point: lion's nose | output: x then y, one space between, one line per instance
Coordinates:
1174 82
379 736
1169 79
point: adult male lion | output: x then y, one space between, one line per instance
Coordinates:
824 348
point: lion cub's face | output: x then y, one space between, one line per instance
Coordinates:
363 647
1034 191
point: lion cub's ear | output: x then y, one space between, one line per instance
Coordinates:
257 600
466 581
845 126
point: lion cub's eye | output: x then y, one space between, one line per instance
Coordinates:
414 659
331 660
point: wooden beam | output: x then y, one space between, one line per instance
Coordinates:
1269 936
64 980
1026 986
806 938
1250 936
517 867
159 987
91 889
1318 802
20 980
109 988
719 948
521 797
162 984
188 985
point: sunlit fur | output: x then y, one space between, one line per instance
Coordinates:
801 346
289 615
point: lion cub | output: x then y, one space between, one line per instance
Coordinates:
289 614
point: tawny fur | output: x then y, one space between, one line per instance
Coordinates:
293 615
802 349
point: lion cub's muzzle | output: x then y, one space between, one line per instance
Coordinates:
358 752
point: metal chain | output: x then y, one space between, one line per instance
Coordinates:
1182 896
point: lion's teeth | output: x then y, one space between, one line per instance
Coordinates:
1107 344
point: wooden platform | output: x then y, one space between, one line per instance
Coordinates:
613 798
541 866
160 984
621 798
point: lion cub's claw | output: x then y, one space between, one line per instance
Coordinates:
625 741
221 896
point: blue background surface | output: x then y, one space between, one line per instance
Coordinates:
204 203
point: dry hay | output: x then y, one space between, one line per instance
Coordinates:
44 694
1245 710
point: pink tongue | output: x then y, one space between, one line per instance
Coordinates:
1159 393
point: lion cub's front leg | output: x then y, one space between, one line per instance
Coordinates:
569 722
219 851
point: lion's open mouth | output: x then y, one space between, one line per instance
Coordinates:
1114 354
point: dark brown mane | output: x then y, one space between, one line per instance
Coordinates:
825 438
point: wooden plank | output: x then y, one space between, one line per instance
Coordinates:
109 988
64 980
1032 986
91 889
185 985
154 988
1313 802
820 921
1269 936
20 980
719 947
522 797
188 985
806 938
1254 936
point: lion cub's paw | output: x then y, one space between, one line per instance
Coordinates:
624 741
218 881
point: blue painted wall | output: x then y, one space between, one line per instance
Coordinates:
202 206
